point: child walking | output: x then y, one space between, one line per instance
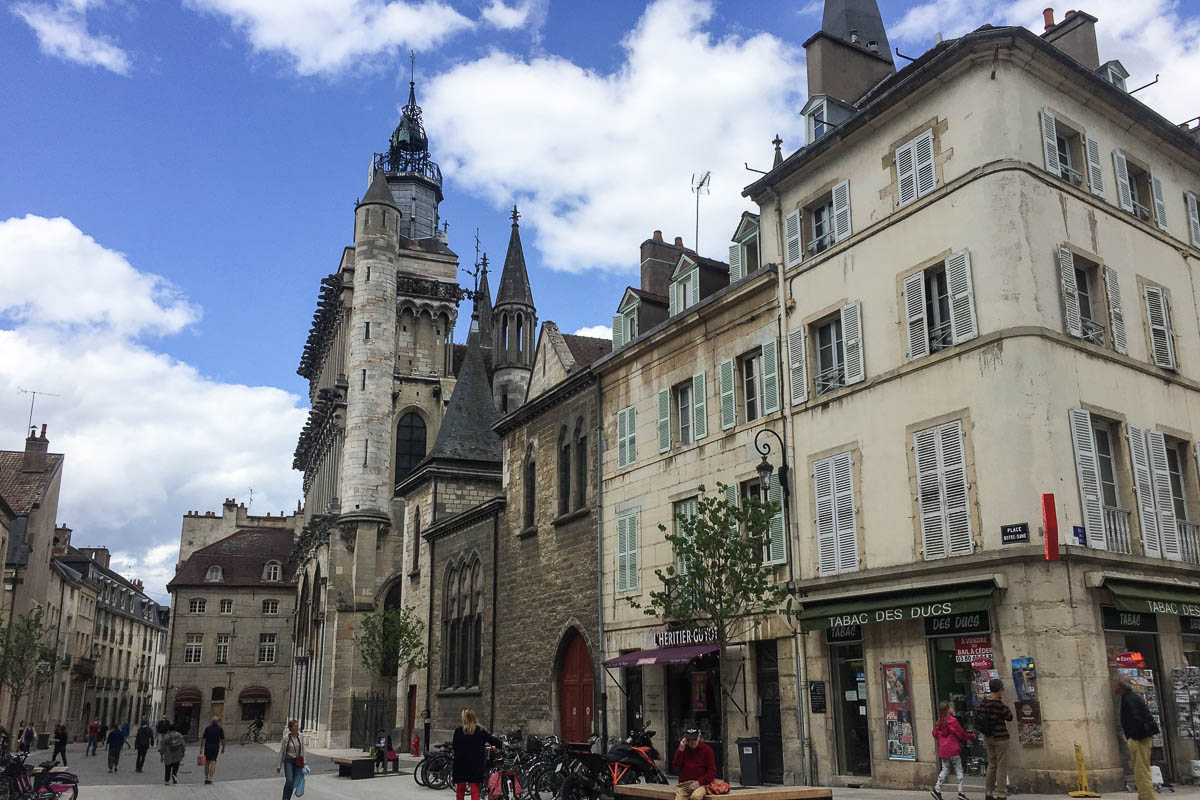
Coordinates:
950 737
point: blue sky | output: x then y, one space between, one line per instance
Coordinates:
177 176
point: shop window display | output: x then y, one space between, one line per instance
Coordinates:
1133 653
693 701
850 706
962 667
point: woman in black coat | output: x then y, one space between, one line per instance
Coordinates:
470 754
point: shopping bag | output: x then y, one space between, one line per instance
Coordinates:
200 762
298 782
391 755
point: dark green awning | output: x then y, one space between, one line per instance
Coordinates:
912 604
1155 598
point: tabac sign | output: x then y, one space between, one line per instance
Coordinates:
867 610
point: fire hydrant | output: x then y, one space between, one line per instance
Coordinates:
416 745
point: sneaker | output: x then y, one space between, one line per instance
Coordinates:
166 783
174 779
207 781
936 794
962 796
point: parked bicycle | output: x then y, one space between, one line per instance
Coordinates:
19 781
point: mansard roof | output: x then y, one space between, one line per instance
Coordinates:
242 557
514 280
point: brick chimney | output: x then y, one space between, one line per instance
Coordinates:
35 451
1075 36
62 540
658 262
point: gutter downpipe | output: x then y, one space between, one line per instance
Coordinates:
600 563
428 720
495 602
799 648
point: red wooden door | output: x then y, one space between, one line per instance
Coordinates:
575 684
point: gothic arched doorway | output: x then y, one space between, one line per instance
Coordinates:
575 687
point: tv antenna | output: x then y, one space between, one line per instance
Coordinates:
700 181
250 505
33 395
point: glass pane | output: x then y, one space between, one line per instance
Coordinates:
1104 454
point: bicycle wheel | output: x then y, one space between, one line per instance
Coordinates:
421 772
245 738
50 794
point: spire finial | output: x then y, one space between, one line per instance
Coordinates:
515 215
778 153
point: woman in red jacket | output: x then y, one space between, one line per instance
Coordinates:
950 736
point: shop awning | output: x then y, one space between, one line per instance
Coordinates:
255 694
937 602
1155 598
662 655
187 696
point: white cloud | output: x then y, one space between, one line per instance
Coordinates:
326 37
597 161
62 32
1150 37
598 331
505 17
146 436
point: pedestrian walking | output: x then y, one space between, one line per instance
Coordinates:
162 728
93 736
990 719
116 743
125 729
214 745
470 755
142 743
28 734
1139 728
102 736
949 735
171 751
60 743
291 758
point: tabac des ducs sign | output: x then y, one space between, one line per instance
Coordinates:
895 614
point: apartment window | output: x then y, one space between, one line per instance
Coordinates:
1176 453
939 454
274 571
625 323
751 385
226 606
270 606
684 290
1193 211
196 605
1138 191
214 574
1066 150
915 172
683 404
1158 320
1105 456
830 355
193 649
1091 296
939 305
816 122
627 553
626 436
837 526
1106 524
820 232
222 648
266 648
682 511
743 257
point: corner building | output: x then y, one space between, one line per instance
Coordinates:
987 265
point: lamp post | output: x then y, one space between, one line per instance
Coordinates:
764 468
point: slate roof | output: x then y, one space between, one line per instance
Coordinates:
483 306
466 433
586 349
843 16
22 489
379 192
241 557
514 280
459 357
18 543
642 294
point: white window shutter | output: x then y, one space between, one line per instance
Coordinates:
1070 292
618 332
1143 489
797 370
906 177
1124 193
1050 143
827 560
1095 168
728 405
622 438
1158 315
735 263
852 342
841 211
699 406
923 163
914 313
1160 202
1193 210
845 521
631 424
770 375
622 554
664 420
955 492
694 286
1164 501
791 234
776 531
674 306
1116 315
929 494
963 325
1087 468
731 497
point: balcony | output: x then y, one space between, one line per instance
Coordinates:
827 380
1116 529
1140 211
83 668
1092 331
941 337
820 244
1069 174
1189 541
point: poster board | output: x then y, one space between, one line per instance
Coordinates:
897 706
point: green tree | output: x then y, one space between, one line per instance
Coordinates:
719 576
24 644
391 639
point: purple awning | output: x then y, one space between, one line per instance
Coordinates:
662 655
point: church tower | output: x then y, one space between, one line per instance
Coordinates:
414 178
514 327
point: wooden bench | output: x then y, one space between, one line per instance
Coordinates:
355 768
659 791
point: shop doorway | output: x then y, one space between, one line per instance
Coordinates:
770 723
1131 640
964 686
575 689
693 695
633 699
850 709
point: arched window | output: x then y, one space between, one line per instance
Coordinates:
410 444
466 622
449 626
503 349
273 571
564 473
477 624
581 465
519 339
214 573
530 488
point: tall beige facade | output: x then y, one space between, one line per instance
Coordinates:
68 695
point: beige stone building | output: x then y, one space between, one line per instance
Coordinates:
986 264
68 695
233 600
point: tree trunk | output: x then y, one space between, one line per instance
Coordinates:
721 643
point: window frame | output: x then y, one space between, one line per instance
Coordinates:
222 648
193 648
225 607
750 387
197 605
270 610
214 570
273 571
267 643
628 553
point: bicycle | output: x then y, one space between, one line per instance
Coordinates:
258 735
19 782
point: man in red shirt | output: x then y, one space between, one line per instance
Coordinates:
93 734
696 765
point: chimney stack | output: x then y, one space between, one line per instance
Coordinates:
62 540
679 241
1048 18
1075 36
658 262
35 451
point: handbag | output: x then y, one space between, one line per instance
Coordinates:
391 755
718 787
200 762
299 761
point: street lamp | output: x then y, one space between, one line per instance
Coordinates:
764 468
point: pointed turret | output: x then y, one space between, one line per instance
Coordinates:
466 435
514 327
514 280
378 192
483 304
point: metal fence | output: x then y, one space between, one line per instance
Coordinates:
368 714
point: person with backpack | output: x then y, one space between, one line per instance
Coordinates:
990 719
1139 727
949 735
116 742
171 751
163 727
145 738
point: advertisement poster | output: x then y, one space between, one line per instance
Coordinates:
897 706
974 650
699 691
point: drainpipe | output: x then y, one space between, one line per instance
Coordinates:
495 602
600 564
429 632
799 648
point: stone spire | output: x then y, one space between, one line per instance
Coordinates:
514 280
466 434
514 327
483 303
379 192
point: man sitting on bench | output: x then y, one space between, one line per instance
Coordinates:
696 765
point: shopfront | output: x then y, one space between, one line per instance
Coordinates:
961 665
848 671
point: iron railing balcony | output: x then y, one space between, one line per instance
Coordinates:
1189 541
820 244
941 337
1069 174
830 379
1092 331
1116 529
1140 211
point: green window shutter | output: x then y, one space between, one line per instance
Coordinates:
731 497
699 406
622 438
631 424
770 375
664 420
735 263
776 531
728 406
622 550
694 287
618 332
674 306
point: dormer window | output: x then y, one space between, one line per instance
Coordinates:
1116 79
214 574
743 253
625 322
816 122
1115 73
685 286
273 571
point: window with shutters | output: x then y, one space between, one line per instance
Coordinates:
943 492
939 306
685 413
626 436
1138 190
831 356
1158 326
684 289
1091 295
627 553
1067 150
750 384
816 122
835 514
681 511
826 220
916 172
1106 522
743 256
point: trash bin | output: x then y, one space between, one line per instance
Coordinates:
43 741
748 761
